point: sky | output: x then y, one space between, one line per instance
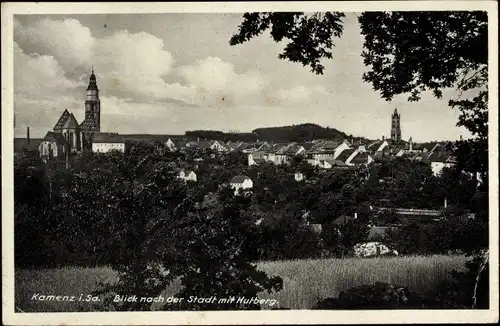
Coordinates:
169 73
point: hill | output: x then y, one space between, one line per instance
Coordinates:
298 133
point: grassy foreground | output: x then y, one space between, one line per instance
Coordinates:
304 280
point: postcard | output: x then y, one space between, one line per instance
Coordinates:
250 163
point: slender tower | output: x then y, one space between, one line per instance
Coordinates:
92 106
396 127
92 122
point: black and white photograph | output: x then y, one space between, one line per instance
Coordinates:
330 162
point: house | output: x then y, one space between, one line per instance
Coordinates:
295 150
321 155
53 145
281 158
257 157
440 160
171 145
299 176
241 182
246 148
187 175
315 162
218 146
326 150
347 155
263 146
233 146
328 164
378 146
105 142
428 147
361 158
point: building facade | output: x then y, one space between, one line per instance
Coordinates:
396 127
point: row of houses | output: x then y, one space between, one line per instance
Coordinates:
324 154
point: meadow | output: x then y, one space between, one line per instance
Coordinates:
305 281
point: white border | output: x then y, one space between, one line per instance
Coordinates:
238 317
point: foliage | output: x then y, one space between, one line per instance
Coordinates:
455 233
377 296
410 52
222 136
214 253
457 292
340 239
298 133
152 218
282 236
310 36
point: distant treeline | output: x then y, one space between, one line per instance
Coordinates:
299 133
295 133
219 135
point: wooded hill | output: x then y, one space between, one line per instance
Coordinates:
294 133
298 133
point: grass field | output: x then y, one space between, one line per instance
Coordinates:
304 280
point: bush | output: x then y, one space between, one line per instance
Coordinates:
458 291
377 296
449 235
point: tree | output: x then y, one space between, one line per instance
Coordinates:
215 254
121 215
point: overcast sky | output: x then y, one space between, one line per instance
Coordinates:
168 73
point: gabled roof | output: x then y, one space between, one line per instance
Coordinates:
343 219
234 146
331 144
283 149
441 156
334 162
244 145
360 158
55 137
88 124
374 145
345 154
427 146
107 138
70 123
307 146
292 150
60 123
240 179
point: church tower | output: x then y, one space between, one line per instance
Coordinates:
396 127
92 106
92 122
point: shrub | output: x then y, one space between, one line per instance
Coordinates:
458 292
377 296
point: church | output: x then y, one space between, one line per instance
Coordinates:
70 136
